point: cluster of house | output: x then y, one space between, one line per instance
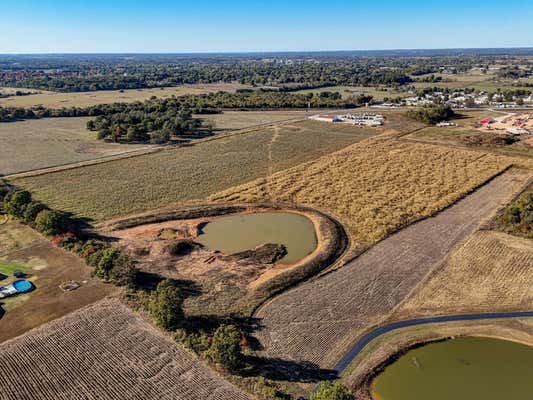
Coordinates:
462 99
359 119
514 124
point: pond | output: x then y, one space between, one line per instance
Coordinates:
236 233
460 369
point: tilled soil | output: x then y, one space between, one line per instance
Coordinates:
105 351
317 321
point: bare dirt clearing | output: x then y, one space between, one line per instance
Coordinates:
318 320
34 144
492 271
47 267
86 99
105 351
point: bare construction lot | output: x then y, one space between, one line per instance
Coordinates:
105 351
318 320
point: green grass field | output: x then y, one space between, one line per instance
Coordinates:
181 174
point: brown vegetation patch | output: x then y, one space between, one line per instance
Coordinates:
105 351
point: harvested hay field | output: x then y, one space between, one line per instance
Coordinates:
232 120
86 99
491 272
318 320
377 186
105 351
194 172
47 267
35 144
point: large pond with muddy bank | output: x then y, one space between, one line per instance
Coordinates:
460 369
237 233
238 254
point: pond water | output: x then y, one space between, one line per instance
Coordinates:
460 369
236 233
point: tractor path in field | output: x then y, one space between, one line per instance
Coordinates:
320 320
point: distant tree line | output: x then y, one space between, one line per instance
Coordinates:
157 120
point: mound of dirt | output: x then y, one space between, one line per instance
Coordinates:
267 253
488 139
180 247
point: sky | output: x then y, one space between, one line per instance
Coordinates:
97 26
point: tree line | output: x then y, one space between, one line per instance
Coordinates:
157 120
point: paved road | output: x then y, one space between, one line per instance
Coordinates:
361 343
318 320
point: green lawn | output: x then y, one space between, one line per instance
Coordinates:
8 268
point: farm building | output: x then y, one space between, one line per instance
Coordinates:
326 118
359 119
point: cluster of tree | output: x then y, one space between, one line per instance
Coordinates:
332 391
109 263
222 347
154 121
514 72
432 114
19 203
16 93
113 75
518 216
158 119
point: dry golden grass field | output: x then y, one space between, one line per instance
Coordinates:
230 120
376 186
492 271
105 351
180 174
42 143
320 319
86 99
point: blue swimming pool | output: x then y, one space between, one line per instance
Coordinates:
22 285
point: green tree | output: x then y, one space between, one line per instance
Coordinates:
166 305
332 391
51 222
16 202
32 210
106 262
226 347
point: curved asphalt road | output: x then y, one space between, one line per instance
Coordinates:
361 343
